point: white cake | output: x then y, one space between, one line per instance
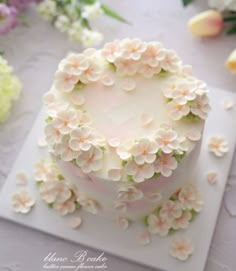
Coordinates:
124 125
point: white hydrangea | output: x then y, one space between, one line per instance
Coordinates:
92 12
90 38
48 9
62 23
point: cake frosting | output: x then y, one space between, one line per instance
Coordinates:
124 125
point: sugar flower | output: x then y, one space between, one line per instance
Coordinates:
218 146
165 164
139 172
177 111
144 151
90 38
8 15
65 121
171 209
52 134
153 54
124 150
10 88
93 12
171 62
184 92
64 150
75 222
129 192
111 51
206 24
82 138
212 177
91 74
75 64
183 221
148 71
158 225
167 140
126 66
22 201
90 160
89 205
65 82
45 171
132 49
54 191
201 107
65 207
190 198
181 248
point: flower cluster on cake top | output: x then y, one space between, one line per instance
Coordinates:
70 133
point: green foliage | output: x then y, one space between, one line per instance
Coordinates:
111 13
186 2
231 30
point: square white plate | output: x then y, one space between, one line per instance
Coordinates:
99 233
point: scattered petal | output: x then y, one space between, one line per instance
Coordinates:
228 104
154 196
123 222
194 135
144 238
21 178
146 119
42 142
75 222
212 178
120 206
128 85
77 98
114 142
115 174
218 146
22 201
107 80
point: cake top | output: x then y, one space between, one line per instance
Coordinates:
130 111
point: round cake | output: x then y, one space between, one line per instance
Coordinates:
124 125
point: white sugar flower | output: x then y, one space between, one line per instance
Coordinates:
22 201
65 82
129 192
201 87
148 71
75 30
139 172
171 209
90 38
65 207
167 140
55 107
144 151
201 107
54 191
111 51
177 111
52 134
190 198
62 23
165 164
115 174
158 225
91 74
49 98
126 66
153 54
64 150
181 248
124 150
183 221
184 92
92 12
171 62
82 138
89 205
75 64
45 171
90 160
65 121
218 146
132 49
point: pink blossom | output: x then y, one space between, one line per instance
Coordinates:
165 164
8 21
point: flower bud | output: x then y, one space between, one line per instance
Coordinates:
231 62
206 24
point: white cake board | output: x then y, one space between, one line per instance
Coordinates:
99 233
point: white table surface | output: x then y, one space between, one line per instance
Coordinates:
35 51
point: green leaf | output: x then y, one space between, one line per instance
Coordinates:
111 13
145 220
163 73
50 205
60 177
179 157
88 2
229 19
231 30
186 2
